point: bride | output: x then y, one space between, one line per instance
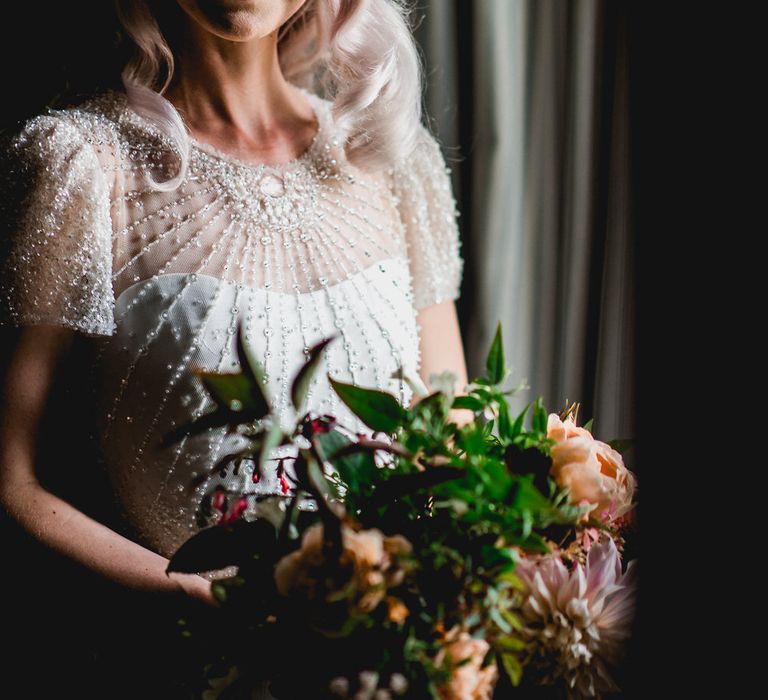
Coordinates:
264 164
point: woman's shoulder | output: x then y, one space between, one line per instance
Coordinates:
102 123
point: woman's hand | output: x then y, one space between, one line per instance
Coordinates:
460 416
196 587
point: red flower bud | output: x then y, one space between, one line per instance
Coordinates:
219 501
237 510
323 424
281 473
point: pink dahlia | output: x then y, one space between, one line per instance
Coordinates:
577 621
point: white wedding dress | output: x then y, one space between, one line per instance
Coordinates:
159 281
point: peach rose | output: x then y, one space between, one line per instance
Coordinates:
469 681
592 470
371 556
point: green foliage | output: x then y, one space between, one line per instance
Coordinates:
379 410
303 380
465 497
494 363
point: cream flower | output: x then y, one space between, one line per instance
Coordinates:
468 681
576 621
592 470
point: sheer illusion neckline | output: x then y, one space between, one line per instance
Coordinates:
213 152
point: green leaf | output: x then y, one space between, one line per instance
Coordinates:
511 617
517 427
303 379
505 423
401 484
509 643
357 469
230 390
528 497
472 440
470 402
496 480
273 436
539 417
501 623
494 556
513 667
588 425
494 363
219 592
219 546
254 373
319 480
513 580
622 446
220 588
379 410
217 418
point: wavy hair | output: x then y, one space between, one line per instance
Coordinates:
360 54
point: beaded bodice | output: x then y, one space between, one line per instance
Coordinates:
159 280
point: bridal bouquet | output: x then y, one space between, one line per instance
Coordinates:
443 561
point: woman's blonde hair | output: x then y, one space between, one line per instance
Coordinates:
361 54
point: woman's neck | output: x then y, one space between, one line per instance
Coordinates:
234 95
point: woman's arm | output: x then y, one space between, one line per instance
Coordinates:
442 349
32 356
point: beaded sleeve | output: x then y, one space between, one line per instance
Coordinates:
56 236
427 207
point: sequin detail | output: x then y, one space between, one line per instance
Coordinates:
159 281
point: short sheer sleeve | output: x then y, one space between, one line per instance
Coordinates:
55 230
429 213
